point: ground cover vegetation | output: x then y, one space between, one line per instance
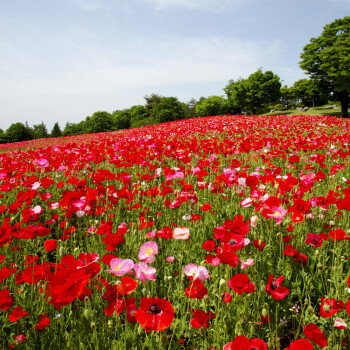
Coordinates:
226 232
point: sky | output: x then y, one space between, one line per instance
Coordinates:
63 60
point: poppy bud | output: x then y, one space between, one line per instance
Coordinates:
320 266
144 291
87 314
164 340
92 325
222 282
310 309
306 302
317 252
62 251
264 312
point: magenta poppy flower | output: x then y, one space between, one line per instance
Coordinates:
144 272
120 267
147 252
194 271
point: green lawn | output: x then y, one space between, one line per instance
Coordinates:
312 111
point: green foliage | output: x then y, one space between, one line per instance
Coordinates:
56 130
190 110
18 132
310 92
40 131
100 121
122 119
213 105
3 138
253 94
166 109
327 59
73 129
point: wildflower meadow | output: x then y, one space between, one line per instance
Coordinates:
228 232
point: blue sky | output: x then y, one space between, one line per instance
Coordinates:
62 60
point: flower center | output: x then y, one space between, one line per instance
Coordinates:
149 251
273 286
117 268
154 310
232 241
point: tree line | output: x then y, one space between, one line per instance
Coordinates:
326 59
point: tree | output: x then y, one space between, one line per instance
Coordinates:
165 109
213 105
255 93
122 119
100 121
327 60
18 132
309 92
56 130
40 131
3 138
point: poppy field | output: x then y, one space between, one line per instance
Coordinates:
227 232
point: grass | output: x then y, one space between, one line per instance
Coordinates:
312 111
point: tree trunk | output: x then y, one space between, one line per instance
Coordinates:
344 101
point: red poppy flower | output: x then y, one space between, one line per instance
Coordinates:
17 313
314 240
209 245
313 333
300 344
196 290
348 307
338 234
50 245
330 307
226 297
242 343
43 322
258 244
240 283
277 291
155 314
5 299
200 319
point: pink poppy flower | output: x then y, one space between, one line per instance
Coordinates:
144 272
195 271
147 252
181 233
278 213
340 323
245 264
170 259
121 266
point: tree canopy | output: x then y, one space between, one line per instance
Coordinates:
253 94
327 59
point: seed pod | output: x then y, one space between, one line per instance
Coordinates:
222 282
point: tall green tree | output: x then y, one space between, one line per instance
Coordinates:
213 105
310 92
100 121
164 109
18 132
255 93
327 59
40 131
56 130
122 119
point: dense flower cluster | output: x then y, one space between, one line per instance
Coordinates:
143 236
